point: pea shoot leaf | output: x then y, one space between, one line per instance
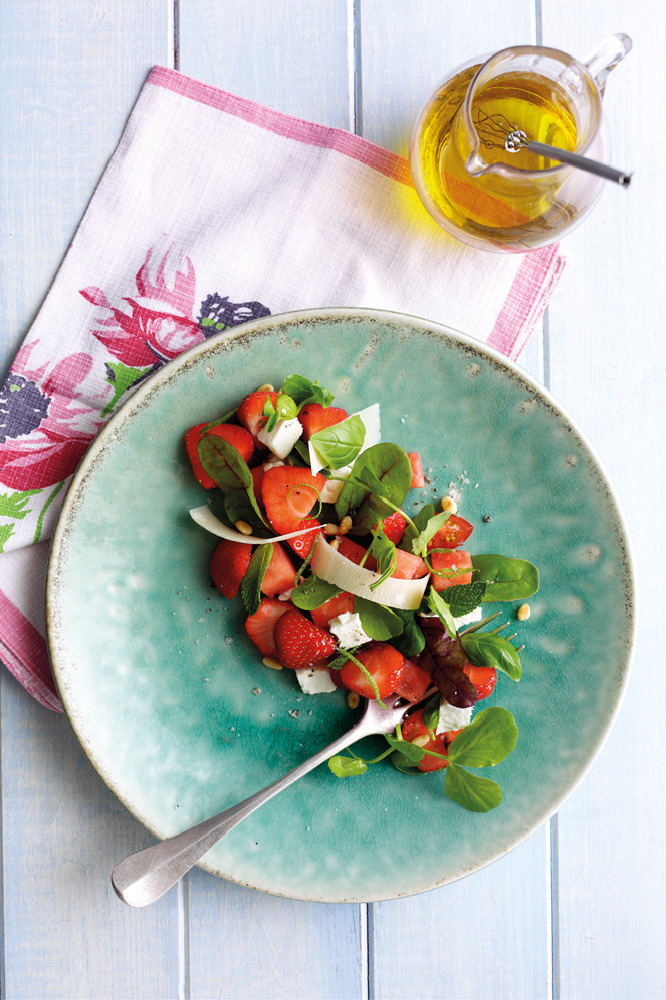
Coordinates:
432 526
347 767
487 740
470 790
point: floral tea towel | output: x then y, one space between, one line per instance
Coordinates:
213 211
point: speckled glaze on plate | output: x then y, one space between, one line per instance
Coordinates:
169 698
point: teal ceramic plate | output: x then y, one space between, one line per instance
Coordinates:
169 698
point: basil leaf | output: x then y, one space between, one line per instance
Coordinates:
227 467
465 597
250 587
381 471
313 592
286 407
484 649
487 740
420 543
378 621
507 579
339 444
303 391
347 767
470 790
411 641
439 606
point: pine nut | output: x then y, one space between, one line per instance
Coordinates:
331 529
353 699
449 506
523 612
421 741
335 544
266 387
268 661
244 527
345 524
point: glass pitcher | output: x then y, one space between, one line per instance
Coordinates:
468 176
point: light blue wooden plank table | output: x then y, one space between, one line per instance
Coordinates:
579 910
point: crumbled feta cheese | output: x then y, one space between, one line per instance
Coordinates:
315 681
348 630
473 616
452 718
271 463
283 437
331 490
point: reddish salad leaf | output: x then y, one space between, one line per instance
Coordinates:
445 660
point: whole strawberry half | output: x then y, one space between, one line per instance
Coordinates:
299 643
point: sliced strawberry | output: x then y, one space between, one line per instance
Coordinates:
454 532
341 604
228 566
394 526
409 566
238 437
257 477
315 417
413 682
280 575
383 662
418 479
483 679
415 730
260 625
300 644
251 411
289 494
456 567
302 544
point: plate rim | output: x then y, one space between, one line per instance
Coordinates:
313 316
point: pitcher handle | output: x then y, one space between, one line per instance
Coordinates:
605 58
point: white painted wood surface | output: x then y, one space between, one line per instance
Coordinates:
577 911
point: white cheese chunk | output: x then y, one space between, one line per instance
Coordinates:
473 616
283 437
452 718
271 463
348 630
315 681
331 490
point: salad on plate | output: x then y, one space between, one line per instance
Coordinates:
351 578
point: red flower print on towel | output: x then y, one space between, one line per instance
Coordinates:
46 423
156 324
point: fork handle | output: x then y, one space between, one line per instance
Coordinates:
143 877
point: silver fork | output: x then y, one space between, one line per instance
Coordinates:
143 877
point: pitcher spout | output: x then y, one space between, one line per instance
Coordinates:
475 165
606 57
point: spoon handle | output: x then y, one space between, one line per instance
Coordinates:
582 162
143 877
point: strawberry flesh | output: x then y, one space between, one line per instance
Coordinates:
300 644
